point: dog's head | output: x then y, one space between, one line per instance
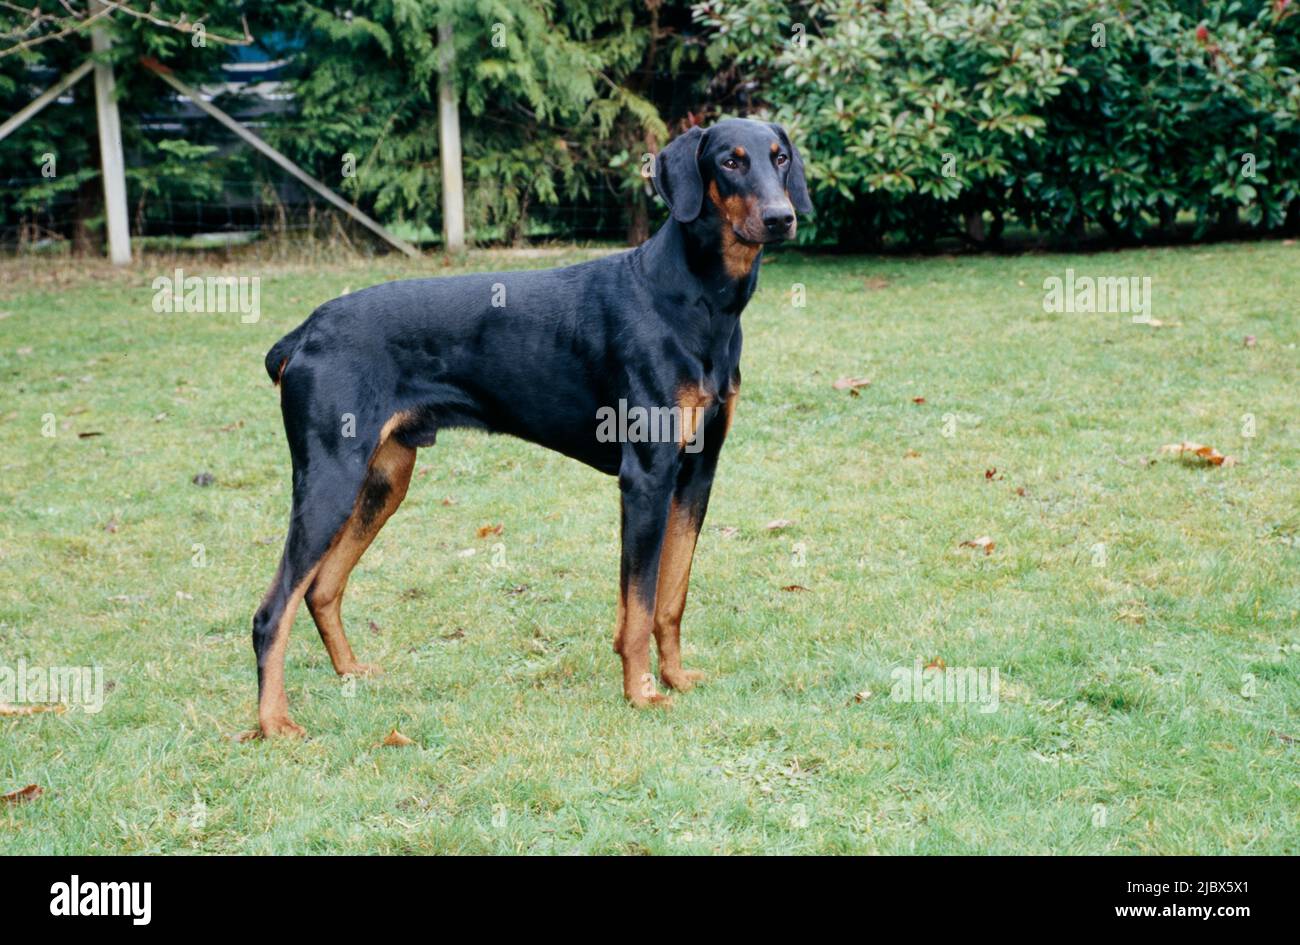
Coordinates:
747 170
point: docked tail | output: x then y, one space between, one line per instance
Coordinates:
281 352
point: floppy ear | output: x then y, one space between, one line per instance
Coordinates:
677 175
794 182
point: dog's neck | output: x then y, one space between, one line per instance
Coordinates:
706 251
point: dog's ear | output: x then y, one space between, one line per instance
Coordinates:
794 182
677 175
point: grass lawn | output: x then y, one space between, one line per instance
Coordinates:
1141 611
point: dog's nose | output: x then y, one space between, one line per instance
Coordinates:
778 220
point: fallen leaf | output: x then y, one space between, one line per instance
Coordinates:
1157 323
1249 341
22 795
936 663
911 454
457 634
918 400
876 282
794 587
181 595
850 383
1285 739
729 531
375 628
862 696
396 739
1190 452
7 708
448 501
990 473
89 433
485 530
229 427
111 526
984 541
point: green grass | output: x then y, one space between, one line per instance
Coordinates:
1121 681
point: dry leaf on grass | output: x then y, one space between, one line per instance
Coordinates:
396 739
22 795
794 587
729 531
1191 452
936 663
7 708
851 383
485 530
918 400
862 696
876 282
984 541
777 524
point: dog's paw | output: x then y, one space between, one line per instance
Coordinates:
645 696
284 727
683 680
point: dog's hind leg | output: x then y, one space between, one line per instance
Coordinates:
310 531
328 491
387 478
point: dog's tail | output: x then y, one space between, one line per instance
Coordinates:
281 352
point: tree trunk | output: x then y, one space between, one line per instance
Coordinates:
86 239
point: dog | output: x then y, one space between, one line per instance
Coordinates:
371 377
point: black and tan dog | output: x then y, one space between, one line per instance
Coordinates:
372 376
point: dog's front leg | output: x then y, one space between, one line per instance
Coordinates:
646 482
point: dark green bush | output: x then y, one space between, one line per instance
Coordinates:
922 120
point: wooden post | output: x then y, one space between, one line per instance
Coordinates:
112 163
453 188
204 105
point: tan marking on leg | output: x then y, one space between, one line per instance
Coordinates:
632 642
737 255
733 397
692 401
391 465
273 706
670 596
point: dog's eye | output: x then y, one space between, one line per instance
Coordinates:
731 164
781 159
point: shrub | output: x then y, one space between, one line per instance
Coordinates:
925 119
